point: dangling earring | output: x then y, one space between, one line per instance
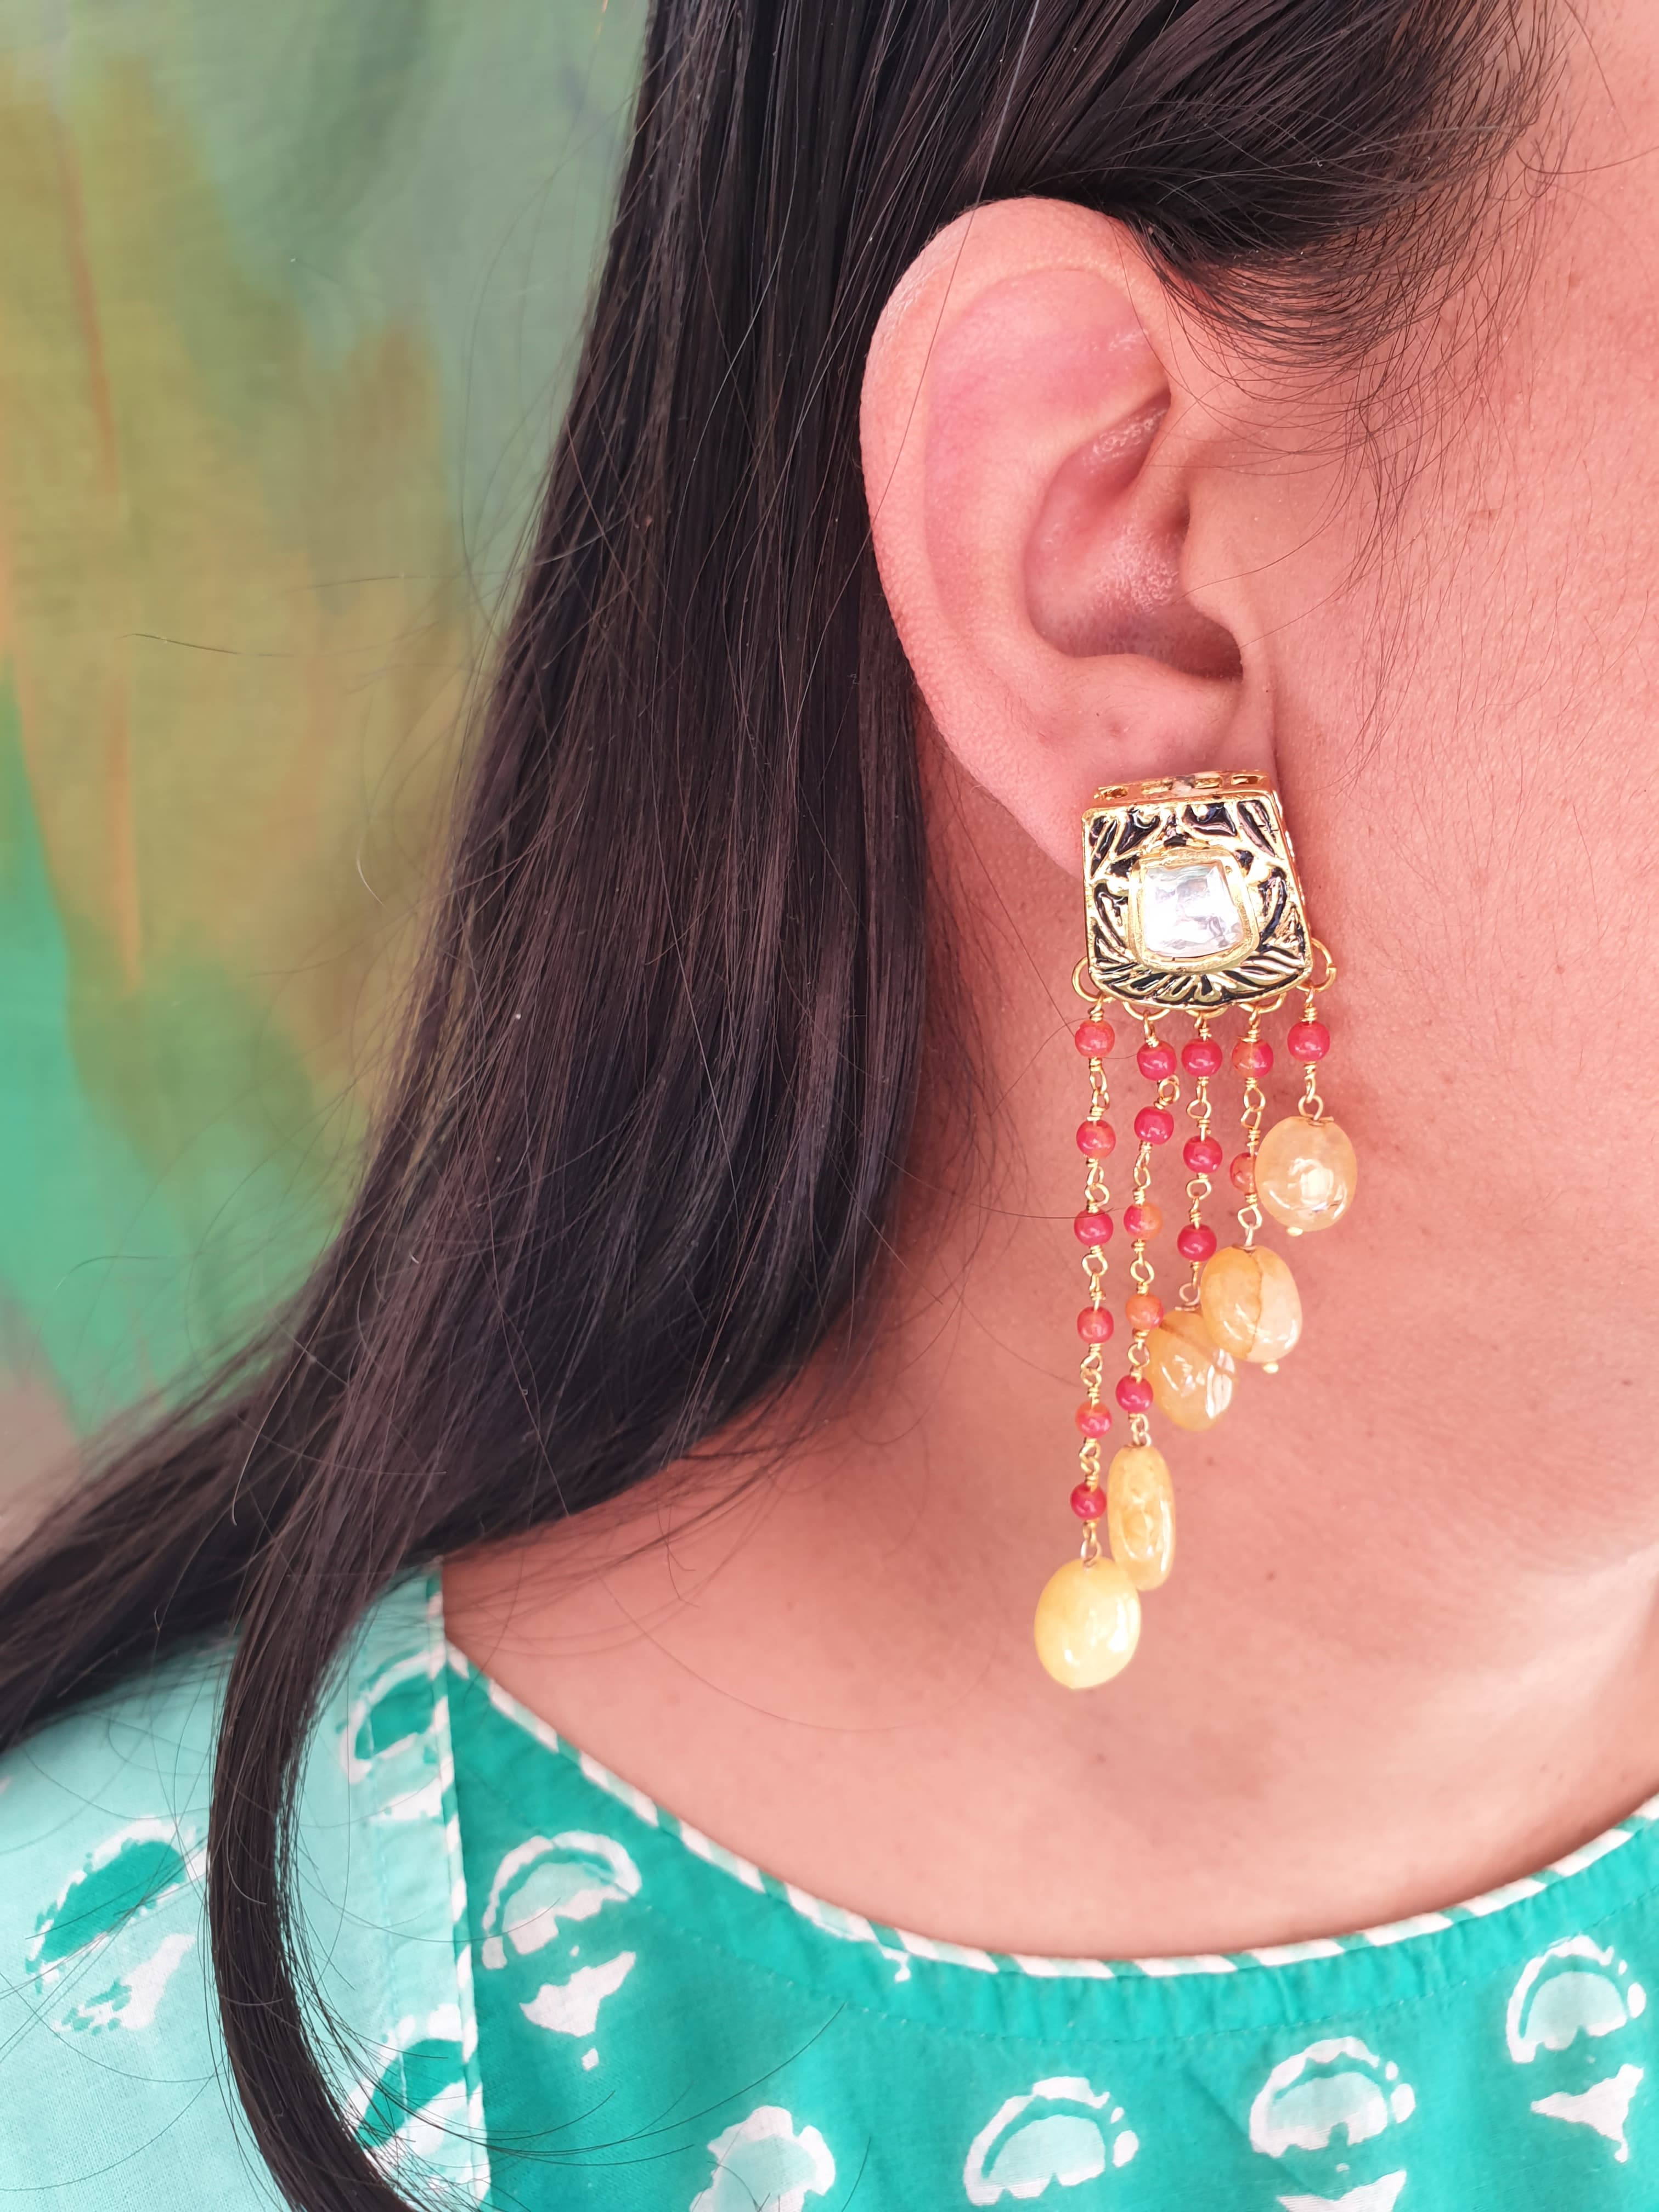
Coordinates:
1192 906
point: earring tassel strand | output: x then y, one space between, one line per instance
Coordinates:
1192 905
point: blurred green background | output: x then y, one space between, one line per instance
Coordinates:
290 292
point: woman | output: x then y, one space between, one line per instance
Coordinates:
982 406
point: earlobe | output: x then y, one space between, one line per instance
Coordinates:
1032 515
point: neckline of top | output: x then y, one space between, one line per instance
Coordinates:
904 1945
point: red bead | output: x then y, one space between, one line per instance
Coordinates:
1143 1310
1242 1173
1155 1062
1094 1420
1196 1242
1202 1056
1308 1041
1142 1220
1253 1055
1093 1228
1094 1324
1132 1395
1094 1040
1153 1126
1087 1503
1096 1138
1202 1154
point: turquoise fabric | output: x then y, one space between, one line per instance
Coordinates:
113 2094
657 2024
664 2029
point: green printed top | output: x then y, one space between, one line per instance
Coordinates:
555 1995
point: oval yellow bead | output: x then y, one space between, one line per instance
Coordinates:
1305 1173
1088 1622
1250 1303
1140 1514
1191 1376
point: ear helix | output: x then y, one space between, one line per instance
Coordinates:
1192 906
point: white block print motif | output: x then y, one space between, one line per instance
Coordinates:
548 1882
572 2007
1567 2003
765 2163
1060 2133
417 2101
1331 2113
389 1733
543 1887
112 1936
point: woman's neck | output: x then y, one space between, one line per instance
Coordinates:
1407 1651
1346 1707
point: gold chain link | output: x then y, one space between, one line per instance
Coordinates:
1310 1105
1138 1358
1097 1197
1199 1110
1255 1104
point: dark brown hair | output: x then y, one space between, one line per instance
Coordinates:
659 1078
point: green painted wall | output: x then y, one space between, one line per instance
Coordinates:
288 295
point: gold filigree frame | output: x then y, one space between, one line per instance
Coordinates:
1234 818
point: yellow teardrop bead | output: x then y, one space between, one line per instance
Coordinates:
1192 1377
1140 1514
1088 1622
1250 1303
1305 1173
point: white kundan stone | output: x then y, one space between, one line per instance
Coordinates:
1189 912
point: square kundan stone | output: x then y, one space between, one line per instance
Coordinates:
1188 907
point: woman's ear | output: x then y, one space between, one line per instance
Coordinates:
1037 470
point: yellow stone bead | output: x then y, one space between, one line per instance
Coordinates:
1192 1377
1305 1173
1088 1622
1250 1303
1140 1514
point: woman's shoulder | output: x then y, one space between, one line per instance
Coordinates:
104 1810
113 2082
110 2067
103 1825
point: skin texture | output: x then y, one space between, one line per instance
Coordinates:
1408 1650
